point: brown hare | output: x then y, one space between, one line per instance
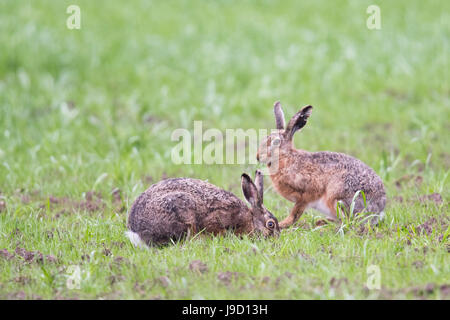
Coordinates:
317 179
173 208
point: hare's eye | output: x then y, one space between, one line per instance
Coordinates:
270 224
276 142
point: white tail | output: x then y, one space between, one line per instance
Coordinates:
135 239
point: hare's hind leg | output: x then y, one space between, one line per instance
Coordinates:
376 208
293 216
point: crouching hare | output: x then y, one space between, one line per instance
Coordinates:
317 179
173 208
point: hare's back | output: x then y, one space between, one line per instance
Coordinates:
194 195
180 201
202 191
356 174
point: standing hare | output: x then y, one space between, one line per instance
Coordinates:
173 208
317 180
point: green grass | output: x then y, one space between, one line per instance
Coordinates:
94 109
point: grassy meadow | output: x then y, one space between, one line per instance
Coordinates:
86 118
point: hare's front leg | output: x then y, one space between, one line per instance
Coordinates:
294 215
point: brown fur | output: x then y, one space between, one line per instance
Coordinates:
307 178
173 208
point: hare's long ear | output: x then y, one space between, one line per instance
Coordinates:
297 122
279 115
259 183
250 191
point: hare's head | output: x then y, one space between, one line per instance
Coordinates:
281 139
263 220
